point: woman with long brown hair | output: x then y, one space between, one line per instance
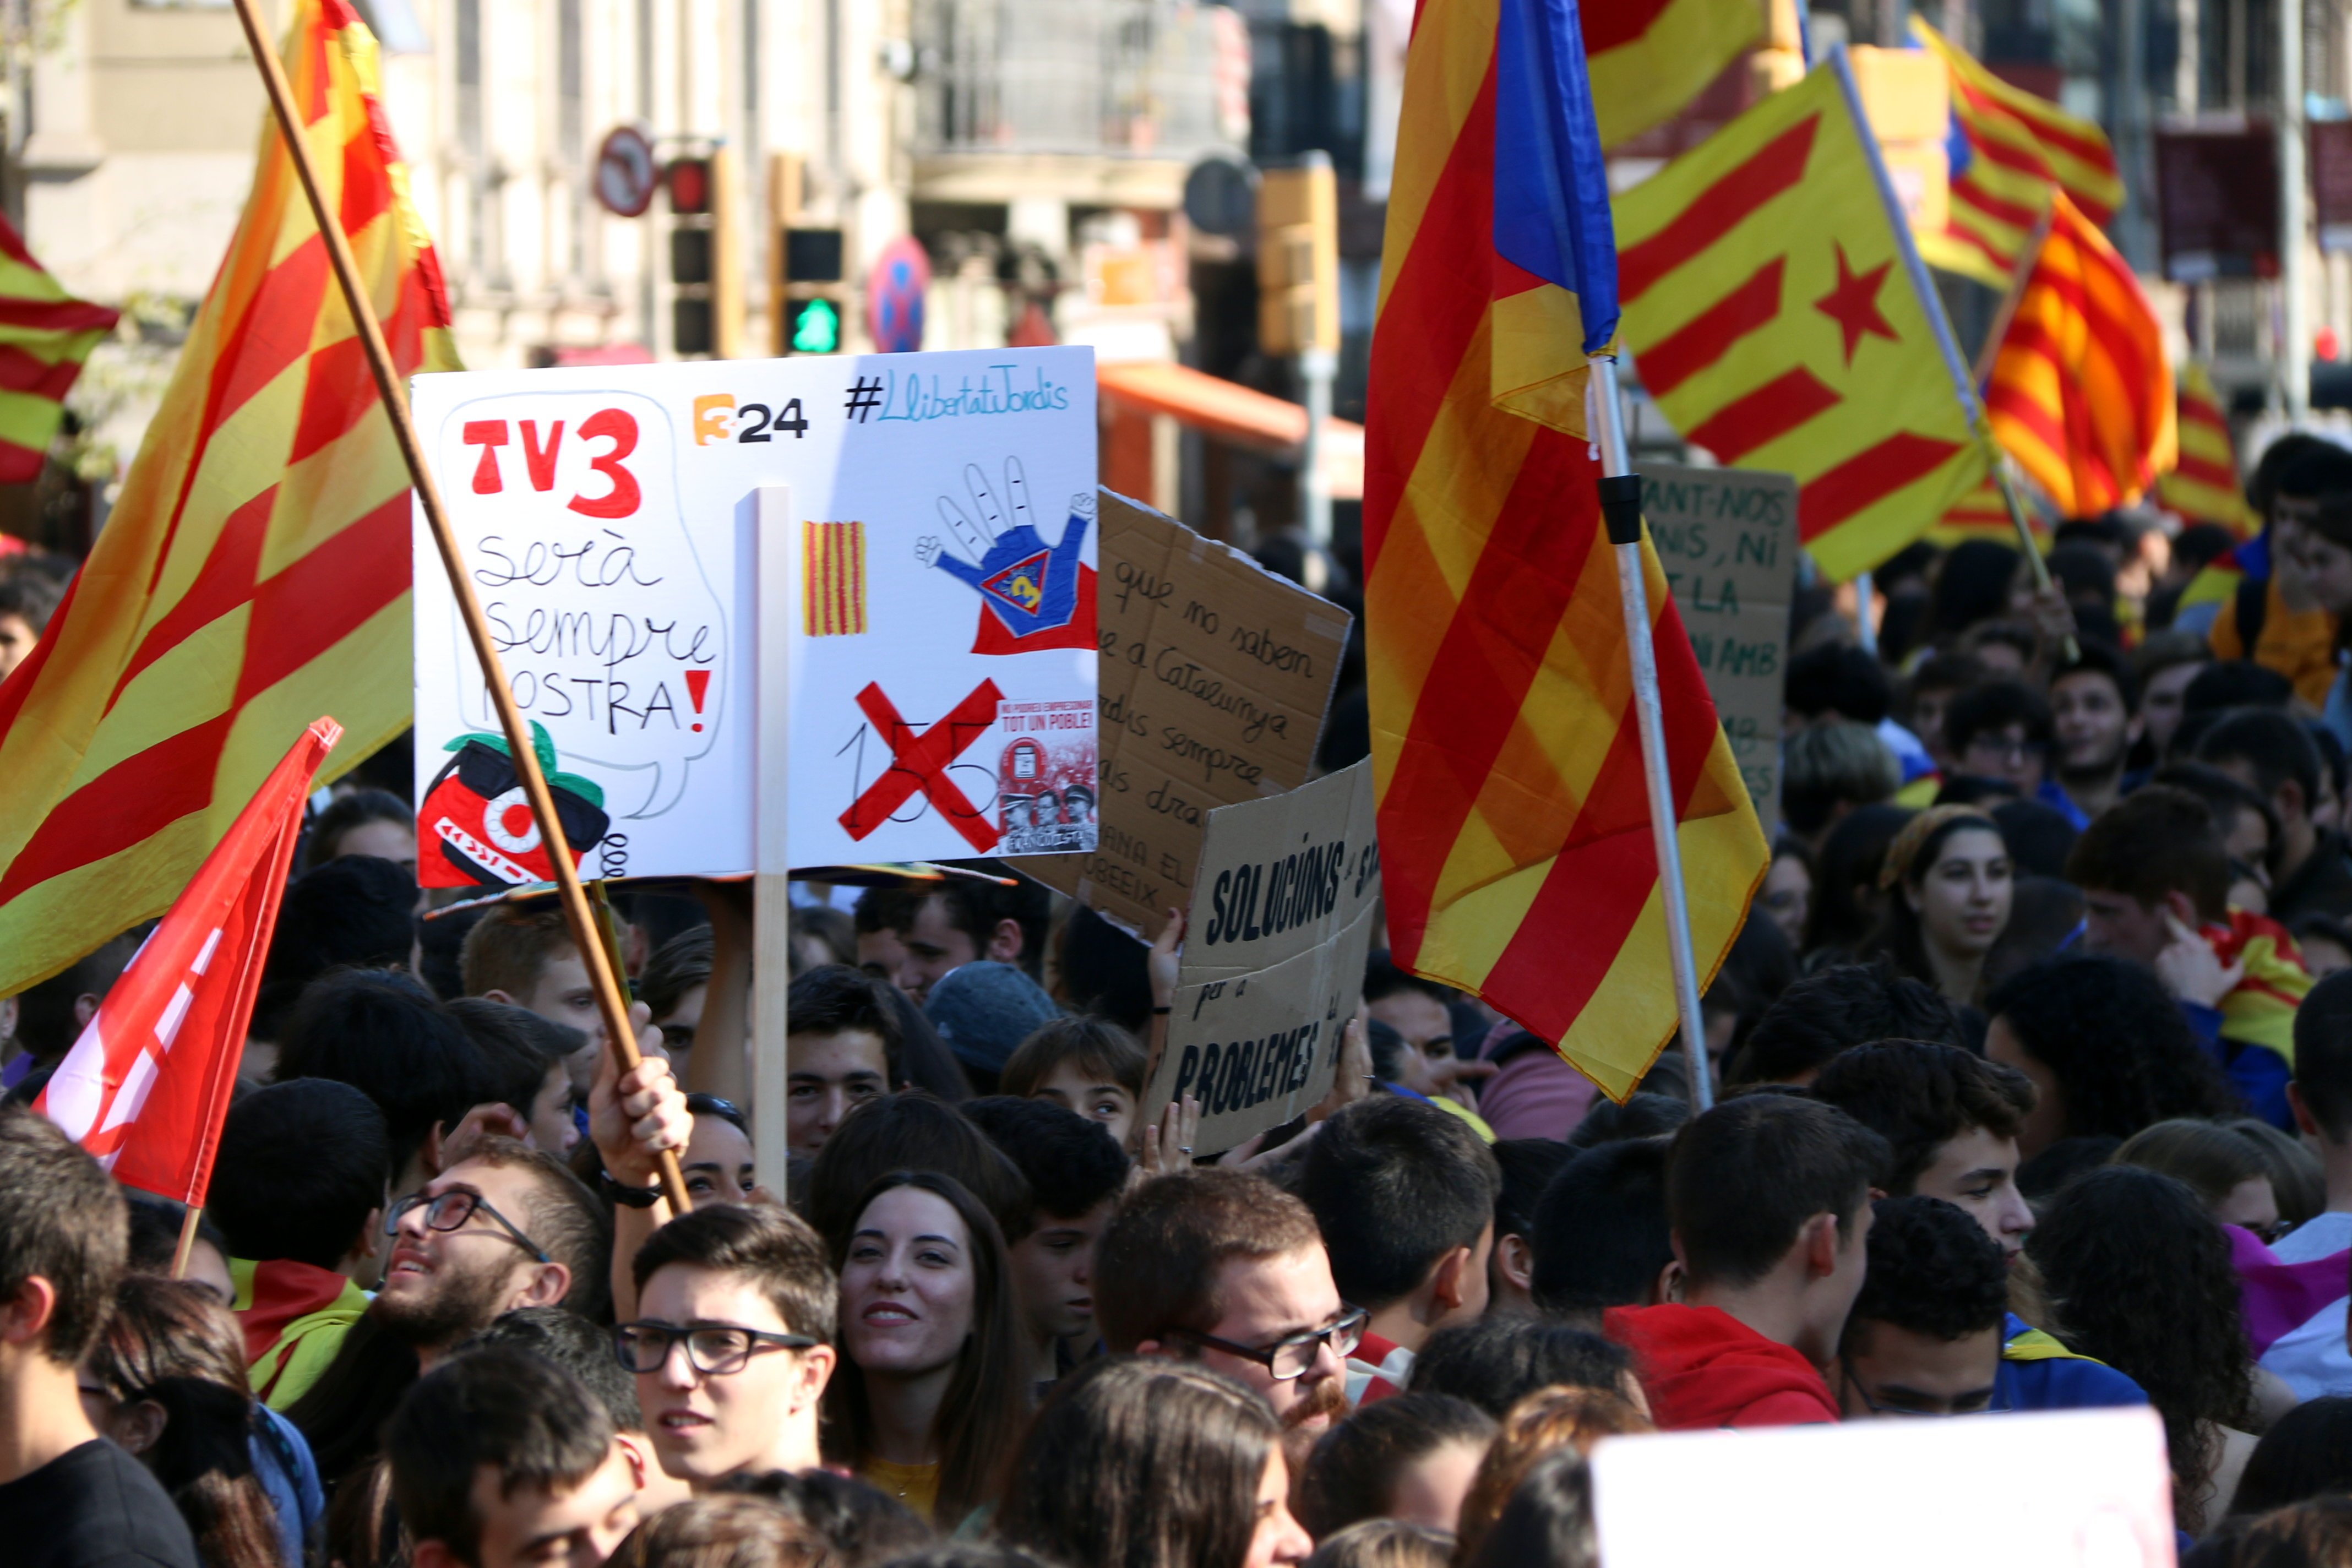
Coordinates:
927 1403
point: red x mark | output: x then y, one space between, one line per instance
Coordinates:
919 762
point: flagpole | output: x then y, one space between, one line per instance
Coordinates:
1964 386
1621 509
581 919
187 1247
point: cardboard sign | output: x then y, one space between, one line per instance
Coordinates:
1273 957
1728 540
2077 1489
1215 676
938 605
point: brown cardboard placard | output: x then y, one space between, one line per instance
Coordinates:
1273 957
1728 540
1215 675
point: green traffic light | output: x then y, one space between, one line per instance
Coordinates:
818 329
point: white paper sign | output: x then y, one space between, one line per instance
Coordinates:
940 609
2073 1490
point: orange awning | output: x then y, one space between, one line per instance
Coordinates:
1229 412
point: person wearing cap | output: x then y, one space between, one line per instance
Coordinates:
984 1010
1952 869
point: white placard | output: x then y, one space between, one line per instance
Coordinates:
940 608
2073 1490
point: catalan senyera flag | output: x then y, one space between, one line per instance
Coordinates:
2260 1009
1982 515
2203 485
1772 317
145 1086
832 562
1515 831
1649 58
44 336
2080 393
2013 146
255 574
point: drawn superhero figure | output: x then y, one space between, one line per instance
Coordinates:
1034 595
476 816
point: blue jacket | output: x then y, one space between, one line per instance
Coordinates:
2039 1373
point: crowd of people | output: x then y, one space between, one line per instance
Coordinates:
2032 1083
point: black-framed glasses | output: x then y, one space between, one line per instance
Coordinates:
1992 1407
1291 1357
451 1210
714 1350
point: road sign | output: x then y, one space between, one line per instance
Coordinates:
625 171
894 296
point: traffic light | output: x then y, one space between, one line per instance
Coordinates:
809 321
706 307
1298 258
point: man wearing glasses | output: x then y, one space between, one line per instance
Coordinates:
1226 1269
731 1342
1925 1338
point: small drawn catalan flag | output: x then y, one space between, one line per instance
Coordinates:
832 562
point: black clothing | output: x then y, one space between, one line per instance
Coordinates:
92 1507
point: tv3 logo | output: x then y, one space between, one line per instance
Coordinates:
717 419
620 496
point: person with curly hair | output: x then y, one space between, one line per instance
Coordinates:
1836 1009
1925 1336
2139 1276
2106 1051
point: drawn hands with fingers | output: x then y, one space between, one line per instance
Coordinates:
1030 587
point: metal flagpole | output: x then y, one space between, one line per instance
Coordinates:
586 936
1931 304
1621 509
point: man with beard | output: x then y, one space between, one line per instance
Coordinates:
503 1227
2095 717
1224 1267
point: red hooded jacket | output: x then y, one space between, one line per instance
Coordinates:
1702 1367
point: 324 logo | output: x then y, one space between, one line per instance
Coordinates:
718 418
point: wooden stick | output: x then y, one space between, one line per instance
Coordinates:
577 915
187 1247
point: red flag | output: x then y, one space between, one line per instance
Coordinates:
146 1086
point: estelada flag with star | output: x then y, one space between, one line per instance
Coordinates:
1771 312
2080 393
145 1086
255 573
1516 859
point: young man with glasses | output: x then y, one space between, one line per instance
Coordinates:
1224 1267
1925 1337
731 1342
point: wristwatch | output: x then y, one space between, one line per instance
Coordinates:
628 1197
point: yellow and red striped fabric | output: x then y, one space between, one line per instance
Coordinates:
255 573
1516 859
2204 485
2260 1009
1649 58
833 560
2080 394
1771 315
2018 145
1982 515
45 335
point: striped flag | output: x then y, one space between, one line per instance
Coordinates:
2204 485
2009 147
1982 515
832 565
2260 1009
2080 393
1773 318
1650 57
255 573
1516 849
44 336
145 1086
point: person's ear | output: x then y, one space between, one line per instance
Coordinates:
1004 943
137 1427
2184 909
503 999
428 1158
1517 1260
1445 1289
1670 1285
85 1008
635 1457
545 1286
817 1363
369 1240
432 1554
1819 1241
24 1316
2305 1123
1154 1347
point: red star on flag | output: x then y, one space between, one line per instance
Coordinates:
1854 303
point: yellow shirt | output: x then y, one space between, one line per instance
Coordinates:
2298 644
917 1485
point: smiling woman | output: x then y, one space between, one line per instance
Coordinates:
1949 872
928 1403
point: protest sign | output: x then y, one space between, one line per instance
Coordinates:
938 606
1215 675
1728 540
2076 1488
1273 957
